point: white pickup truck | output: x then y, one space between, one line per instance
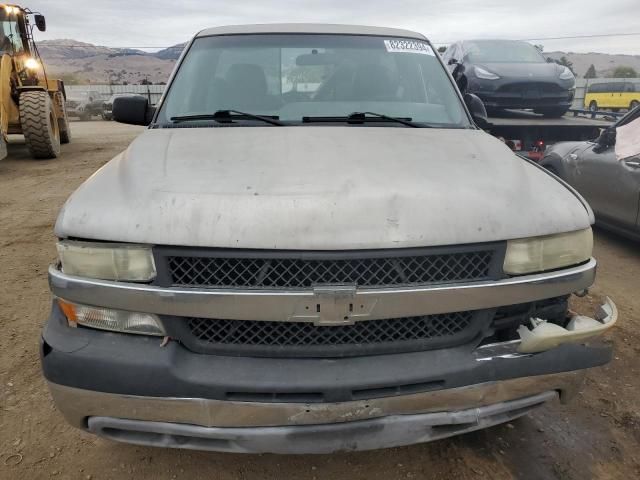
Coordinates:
314 248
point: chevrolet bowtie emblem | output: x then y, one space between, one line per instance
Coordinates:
333 305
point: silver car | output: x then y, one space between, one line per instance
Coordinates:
313 248
610 185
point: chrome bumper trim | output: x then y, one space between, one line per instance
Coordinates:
300 305
77 404
375 433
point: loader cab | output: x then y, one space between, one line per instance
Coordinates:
13 40
16 40
16 31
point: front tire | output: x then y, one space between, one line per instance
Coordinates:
39 124
593 106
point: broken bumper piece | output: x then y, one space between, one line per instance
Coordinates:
544 335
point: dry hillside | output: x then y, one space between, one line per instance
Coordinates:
79 62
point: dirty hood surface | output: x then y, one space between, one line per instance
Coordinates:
321 188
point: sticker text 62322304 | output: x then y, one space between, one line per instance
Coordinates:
408 46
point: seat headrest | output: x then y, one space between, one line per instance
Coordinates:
247 77
373 81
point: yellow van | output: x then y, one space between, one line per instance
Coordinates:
614 95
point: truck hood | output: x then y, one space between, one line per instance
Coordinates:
320 188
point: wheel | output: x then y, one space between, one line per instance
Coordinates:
39 124
554 112
63 122
633 104
593 106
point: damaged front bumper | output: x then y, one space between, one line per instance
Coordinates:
128 388
413 419
544 335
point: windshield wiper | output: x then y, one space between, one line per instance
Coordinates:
361 117
228 116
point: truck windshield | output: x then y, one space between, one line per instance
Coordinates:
297 78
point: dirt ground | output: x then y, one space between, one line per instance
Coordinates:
596 436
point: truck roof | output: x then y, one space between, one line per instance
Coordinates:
314 28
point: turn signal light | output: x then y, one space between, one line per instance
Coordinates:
112 320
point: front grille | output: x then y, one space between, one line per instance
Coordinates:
280 334
263 338
294 270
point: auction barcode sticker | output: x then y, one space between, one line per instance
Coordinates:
408 46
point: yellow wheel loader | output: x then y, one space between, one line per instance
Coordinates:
30 103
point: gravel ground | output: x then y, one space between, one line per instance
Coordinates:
596 436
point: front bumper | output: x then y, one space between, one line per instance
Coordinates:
130 388
508 93
185 423
498 100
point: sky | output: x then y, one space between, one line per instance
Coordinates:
162 23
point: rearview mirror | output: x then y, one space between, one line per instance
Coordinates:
452 61
477 109
41 22
132 110
315 59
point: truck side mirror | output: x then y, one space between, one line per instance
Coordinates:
452 61
41 22
477 109
132 110
606 139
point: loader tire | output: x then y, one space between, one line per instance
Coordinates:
39 124
63 122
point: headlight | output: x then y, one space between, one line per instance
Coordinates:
32 64
113 320
538 254
107 261
485 74
566 74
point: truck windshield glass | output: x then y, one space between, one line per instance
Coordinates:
502 51
292 76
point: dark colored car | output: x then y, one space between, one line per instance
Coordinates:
84 104
609 184
511 74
